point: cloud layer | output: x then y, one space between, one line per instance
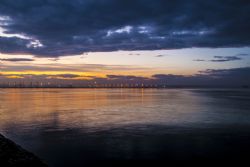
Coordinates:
52 28
221 59
16 59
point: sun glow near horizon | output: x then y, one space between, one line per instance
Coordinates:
137 63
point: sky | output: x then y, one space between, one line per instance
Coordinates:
182 42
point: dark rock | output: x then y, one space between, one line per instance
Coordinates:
12 154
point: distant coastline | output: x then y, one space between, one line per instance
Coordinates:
135 87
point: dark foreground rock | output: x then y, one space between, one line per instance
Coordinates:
13 155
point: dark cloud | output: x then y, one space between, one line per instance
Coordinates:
161 55
136 54
126 78
17 59
52 28
234 73
67 76
242 54
221 59
42 76
199 60
210 77
73 67
225 58
54 59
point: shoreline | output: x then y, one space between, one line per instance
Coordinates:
12 154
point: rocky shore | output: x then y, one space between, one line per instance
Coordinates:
12 155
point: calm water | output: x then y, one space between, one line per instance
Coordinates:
81 126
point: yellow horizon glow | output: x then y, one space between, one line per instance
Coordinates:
87 75
133 63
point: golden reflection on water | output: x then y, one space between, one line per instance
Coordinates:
95 108
68 127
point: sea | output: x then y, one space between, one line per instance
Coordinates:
82 127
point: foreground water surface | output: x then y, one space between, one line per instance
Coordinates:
75 127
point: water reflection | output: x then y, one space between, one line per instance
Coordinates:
79 125
97 108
